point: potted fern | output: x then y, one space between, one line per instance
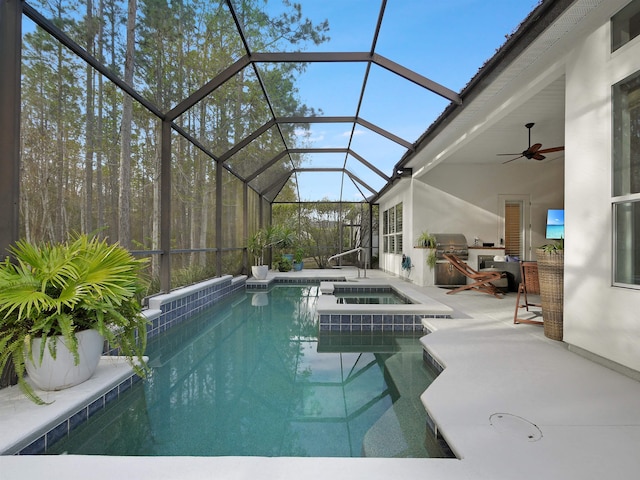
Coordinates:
428 240
60 302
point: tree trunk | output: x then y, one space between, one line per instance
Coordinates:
89 122
99 126
124 192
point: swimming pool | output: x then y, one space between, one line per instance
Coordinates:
252 377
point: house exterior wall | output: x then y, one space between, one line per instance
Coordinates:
400 192
465 199
598 317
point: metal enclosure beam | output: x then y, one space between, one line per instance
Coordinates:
386 134
219 182
417 78
245 226
208 88
10 65
305 57
165 207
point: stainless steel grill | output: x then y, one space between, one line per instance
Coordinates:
455 243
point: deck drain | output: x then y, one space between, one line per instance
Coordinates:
515 426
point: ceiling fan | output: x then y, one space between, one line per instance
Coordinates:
534 151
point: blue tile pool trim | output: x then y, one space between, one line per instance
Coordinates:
60 431
433 364
165 311
181 304
361 322
252 284
337 288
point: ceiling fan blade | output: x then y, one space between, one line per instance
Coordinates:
549 150
534 151
508 154
516 158
534 148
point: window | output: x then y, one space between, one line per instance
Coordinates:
513 228
392 229
626 180
625 25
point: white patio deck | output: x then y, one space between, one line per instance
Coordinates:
561 415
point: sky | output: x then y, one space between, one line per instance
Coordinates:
446 41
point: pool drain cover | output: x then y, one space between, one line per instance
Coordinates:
516 427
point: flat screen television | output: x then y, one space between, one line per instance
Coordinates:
555 224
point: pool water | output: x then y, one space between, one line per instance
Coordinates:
251 377
385 298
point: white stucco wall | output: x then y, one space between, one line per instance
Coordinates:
400 192
465 199
598 317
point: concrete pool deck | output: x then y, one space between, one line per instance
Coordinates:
510 403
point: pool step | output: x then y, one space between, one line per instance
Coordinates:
401 431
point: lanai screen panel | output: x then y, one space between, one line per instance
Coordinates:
399 106
228 114
323 88
180 46
73 137
253 212
377 150
413 34
364 175
322 134
331 186
324 160
283 166
350 32
193 196
258 153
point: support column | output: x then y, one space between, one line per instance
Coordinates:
219 207
370 233
10 65
245 226
165 207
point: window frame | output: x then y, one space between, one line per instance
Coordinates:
393 221
624 24
622 186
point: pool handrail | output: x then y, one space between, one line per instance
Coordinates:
357 249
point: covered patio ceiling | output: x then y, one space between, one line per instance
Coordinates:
371 91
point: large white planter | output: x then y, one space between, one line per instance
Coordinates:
62 372
259 272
